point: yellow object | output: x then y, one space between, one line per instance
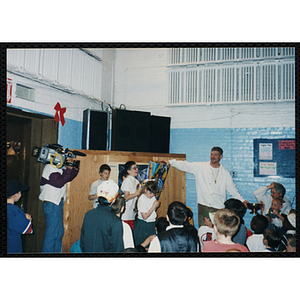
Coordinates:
58 166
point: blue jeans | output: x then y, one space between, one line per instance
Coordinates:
54 227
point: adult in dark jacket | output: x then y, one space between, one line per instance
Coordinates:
102 230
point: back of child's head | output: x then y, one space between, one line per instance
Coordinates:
237 206
161 224
104 167
177 213
129 164
273 237
226 221
259 223
116 207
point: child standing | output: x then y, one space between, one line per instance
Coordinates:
17 221
206 232
226 224
146 213
131 189
118 207
104 173
255 242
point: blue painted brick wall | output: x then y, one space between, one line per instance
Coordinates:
237 144
196 143
70 135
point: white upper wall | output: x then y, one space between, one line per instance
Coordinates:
77 78
141 78
135 77
141 84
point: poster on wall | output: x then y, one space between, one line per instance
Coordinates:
265 151
268 168
274 157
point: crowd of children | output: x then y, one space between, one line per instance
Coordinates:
130 213
223 231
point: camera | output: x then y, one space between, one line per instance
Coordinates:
56 155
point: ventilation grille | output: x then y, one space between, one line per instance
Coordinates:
25 92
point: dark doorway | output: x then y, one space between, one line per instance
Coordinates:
25 131
18 141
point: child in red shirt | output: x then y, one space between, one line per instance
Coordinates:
226 224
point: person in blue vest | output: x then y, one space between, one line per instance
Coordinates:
176 238
18 222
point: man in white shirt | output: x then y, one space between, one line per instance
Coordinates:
212 182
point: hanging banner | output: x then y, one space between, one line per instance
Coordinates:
9 84
157 172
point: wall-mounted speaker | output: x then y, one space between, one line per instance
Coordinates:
130 130
160 134
95 130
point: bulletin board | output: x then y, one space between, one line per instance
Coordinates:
274 157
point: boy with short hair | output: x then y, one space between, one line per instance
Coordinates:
176 238
18 222
255 242
271 240
206 232
226 224
104 172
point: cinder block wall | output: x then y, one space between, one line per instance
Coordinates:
237 144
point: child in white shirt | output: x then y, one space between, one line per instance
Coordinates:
146 212
131 189
104 173
255 242
206 232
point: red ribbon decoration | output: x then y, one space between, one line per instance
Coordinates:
59 115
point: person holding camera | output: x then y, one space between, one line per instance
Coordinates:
53 194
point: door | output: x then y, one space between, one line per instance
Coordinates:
25 131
